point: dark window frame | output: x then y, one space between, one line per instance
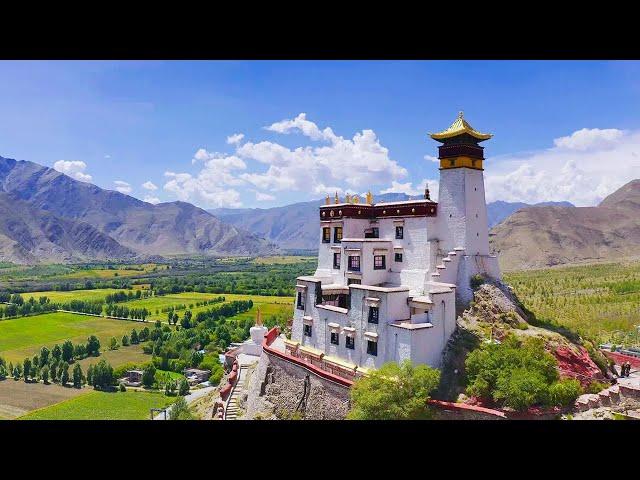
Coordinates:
399 232
335 235
372 348
374 315
350 342
326 234
398 257
335 338
383 265
300 301
307 330
352 262
337 256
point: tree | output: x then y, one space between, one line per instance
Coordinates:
67 351
56 352
180 410
102 375
184 387
64 374
44 356
125 341
44 374
149 376
93 346
17 372
26 367
113 344
90 375
134 337
170 387
78 377
394 392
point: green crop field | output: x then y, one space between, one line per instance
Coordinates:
268 305
63 297
601 301
130 405
24 336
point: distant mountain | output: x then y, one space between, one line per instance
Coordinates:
47 216
295 226
497 211
552 235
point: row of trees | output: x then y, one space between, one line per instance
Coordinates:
53 370
122 311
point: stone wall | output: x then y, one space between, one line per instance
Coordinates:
277 387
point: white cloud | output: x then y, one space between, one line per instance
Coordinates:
73 168
205 189
582 168
409 189
150 199
149 185
590 139
235 138
122 186
107 156
432 158
356 163
264 197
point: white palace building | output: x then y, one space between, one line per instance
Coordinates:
389 274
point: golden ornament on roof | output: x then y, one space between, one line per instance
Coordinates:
459 127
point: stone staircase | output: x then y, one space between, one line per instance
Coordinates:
609 397
233 403
447 270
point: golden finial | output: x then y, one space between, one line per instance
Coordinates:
337 199
347 198
370 197
259 319
327 200
356 199
460 114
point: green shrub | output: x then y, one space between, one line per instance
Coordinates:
475 281
564 392
596 386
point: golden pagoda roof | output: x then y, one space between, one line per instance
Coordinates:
458 127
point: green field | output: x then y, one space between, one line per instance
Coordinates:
601 301
267 305
63 297
106 273
24 336
130 405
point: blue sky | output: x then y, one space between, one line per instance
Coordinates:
558 126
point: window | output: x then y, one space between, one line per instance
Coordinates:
350 342
398 257
335 338
399 232
373 314
306 329
379 262
355 281
354 263
300 302
372 348
326 235
372 233
337 235
336 261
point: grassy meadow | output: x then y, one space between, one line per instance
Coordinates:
600 301
95 405
24 336
66 296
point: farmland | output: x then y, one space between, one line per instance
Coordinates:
24 336
600 301
18 398
96 405
64 297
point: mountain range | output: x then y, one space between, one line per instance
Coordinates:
295 226
545 236
47 216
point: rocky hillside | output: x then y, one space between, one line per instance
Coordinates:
51 217
496 312
545 236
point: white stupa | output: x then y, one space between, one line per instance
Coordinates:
257 333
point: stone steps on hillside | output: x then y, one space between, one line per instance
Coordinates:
233 406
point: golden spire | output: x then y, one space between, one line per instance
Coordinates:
347 198
337 199
327 200
259 319
459 127
356 199
370 197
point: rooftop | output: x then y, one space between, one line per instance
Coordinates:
459 127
